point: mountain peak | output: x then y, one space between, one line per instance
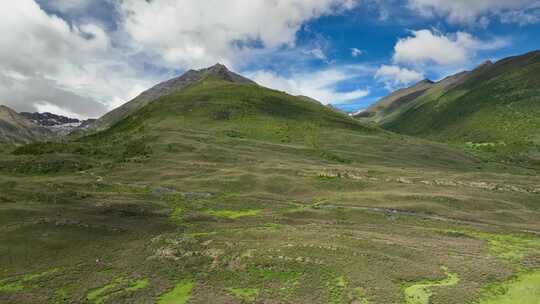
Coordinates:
425 81
218 66
222 72
171 86
486 63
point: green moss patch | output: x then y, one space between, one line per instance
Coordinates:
511 247
177 214
138 284
179 295
246 294
116 287
336 290
11 287
99 295
233 214
524 289
359 296
267 274
19 284
419 293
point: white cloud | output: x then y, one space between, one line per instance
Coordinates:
467 11
396 77
85 65
44 106
193 33
317 53
71 66
356 52
319 85
426 46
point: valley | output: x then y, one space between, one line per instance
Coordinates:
229 192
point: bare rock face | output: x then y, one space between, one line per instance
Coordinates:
49 119
16 129
57 124
166 88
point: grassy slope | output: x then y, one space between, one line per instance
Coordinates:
246 194
496 111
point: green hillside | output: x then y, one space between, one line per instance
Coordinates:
494 111
227 192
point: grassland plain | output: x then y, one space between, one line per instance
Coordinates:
228 193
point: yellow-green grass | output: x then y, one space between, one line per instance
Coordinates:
511 247
233 214
245 294
22 282
523 289
101 294
138 284
336 290
420 293
387 200
180 294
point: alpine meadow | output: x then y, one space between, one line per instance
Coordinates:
301 169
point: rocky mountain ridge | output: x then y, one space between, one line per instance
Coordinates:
58 124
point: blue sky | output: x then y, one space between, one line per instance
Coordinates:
84 57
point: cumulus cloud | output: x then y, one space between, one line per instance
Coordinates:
193 33
356 52
317 53
395 77
319 85
466 11
45 60
29 94
426 46
85 57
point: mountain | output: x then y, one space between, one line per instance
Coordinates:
309 99
388 105
229 192
230 106
495 108
49 119
163 89
58 124
15 128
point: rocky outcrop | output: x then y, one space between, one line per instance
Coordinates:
57 124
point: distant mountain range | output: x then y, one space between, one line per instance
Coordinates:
495 107
27 127
58 124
